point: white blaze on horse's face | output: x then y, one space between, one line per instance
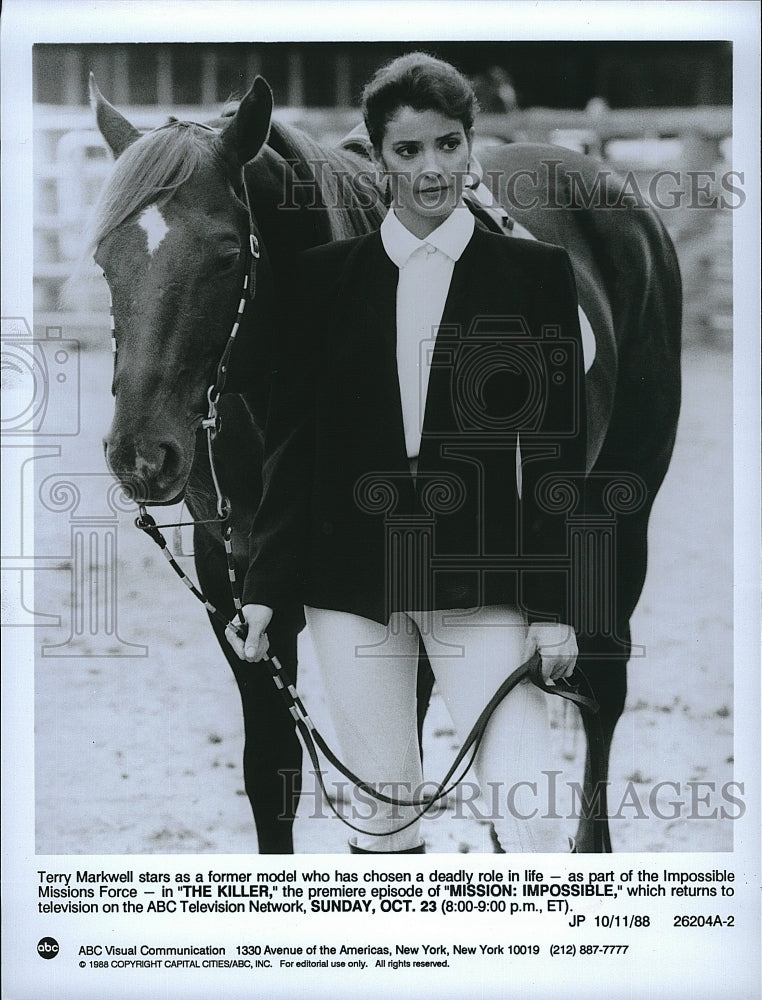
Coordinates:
154 225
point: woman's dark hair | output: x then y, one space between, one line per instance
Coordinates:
421 82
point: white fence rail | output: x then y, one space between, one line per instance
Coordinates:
71 164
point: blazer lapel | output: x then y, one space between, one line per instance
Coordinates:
460 306
370 289
461 285
483 283
372 328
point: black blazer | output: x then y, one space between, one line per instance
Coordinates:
342 523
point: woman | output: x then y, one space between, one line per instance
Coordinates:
428 402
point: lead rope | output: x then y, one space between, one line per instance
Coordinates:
311 737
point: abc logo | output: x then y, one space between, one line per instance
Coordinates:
47 947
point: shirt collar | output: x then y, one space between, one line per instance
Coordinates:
451 238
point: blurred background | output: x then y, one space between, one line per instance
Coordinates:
642 106
138 723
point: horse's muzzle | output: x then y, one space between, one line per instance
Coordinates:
150 471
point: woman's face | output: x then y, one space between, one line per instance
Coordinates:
426 155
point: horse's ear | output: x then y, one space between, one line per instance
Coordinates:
113 126
249 127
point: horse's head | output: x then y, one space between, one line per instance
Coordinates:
172 238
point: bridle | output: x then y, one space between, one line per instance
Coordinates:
311 737
211 424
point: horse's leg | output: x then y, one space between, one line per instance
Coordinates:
603 660
424 688
607 676
639 441
272 756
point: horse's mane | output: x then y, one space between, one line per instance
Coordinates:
156 164
351 209
148 171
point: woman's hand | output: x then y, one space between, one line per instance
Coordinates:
257 617
557 645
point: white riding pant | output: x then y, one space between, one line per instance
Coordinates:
369 675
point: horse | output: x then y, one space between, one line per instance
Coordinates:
193 212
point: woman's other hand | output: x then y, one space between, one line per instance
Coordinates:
557 645
257 618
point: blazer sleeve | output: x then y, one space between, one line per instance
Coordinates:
279 535
554 469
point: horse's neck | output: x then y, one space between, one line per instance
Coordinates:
272 187
285 208
307 194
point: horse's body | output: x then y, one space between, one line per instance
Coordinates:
629 288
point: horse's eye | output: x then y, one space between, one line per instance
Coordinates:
228 259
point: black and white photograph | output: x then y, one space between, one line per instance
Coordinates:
380 447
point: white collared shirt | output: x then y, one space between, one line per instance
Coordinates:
425 268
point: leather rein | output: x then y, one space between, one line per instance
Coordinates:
311 737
